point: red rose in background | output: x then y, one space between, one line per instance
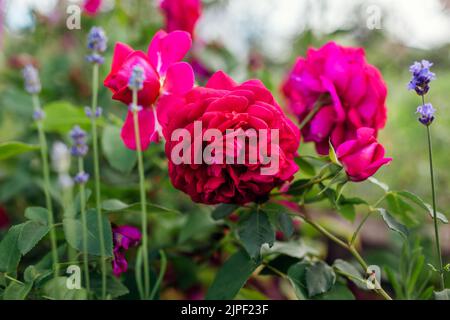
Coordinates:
224 104
91 7
181 14
352 94
4 219
164 75
363 156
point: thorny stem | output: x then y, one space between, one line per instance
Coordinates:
97 178
143 197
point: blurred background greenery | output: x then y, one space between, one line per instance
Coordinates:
252 38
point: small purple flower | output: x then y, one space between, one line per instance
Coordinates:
32 81
137 78
88 111
426 112
97 40
134 108
81 177
95 58
421 77
97 43
79 147
98 112
38 115
124 237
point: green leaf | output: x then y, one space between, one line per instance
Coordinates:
32 232
232 276
417 200
401 210
61 116
197 222
114 287
223 210
332 154
338 292
254 230
117 155
378 183
351 272
37 214
57 289
392 223
320 278
305 167
118 205
297 275
442 295
285 224
14 148
17 291
9 251
295 249
348 211
35 273
73 229
299 187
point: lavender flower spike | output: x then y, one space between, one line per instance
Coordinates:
421 77
137 78
79 147
97 43
32 81
426 112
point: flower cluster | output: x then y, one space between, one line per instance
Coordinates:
98 112
340 89
421 77
97 43
124 237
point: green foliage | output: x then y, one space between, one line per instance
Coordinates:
232 276
255 230
320 278
73 229
118 156
56 289
14 148
115 205
392 223
17 291
9 251
223 210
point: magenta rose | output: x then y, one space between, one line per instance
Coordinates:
247 108
181 14
349 94
363 156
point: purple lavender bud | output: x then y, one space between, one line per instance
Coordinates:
98 112
421 77
38 114
88 111
426 112
32 81
79 147
137 78
81 178
95 58
97 40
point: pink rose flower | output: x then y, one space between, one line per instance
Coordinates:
164 75
91 7
181 14
223 104
352 94
124 237
363 156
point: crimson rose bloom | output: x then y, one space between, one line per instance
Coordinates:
363 156
349 92
181 14
223 104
